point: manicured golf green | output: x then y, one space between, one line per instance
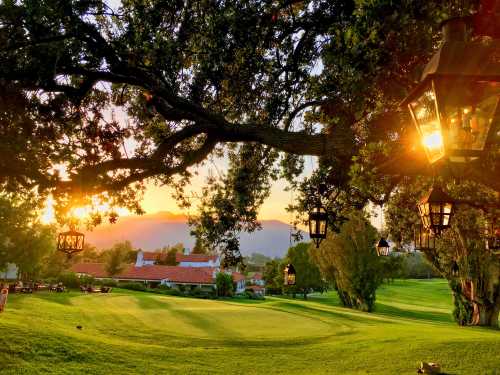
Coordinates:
138 333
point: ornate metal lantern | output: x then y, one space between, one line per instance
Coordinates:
493 236
424 238
318 224
436 209
289 275
455 107
70 242
383 247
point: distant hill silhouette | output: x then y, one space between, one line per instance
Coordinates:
153 231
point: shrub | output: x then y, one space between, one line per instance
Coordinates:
163 287
140 287
224 284
86 280
71 280
172 292
349 260
415 266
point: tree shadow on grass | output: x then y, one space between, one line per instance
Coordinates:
194 319
218 333
148 302
64 298
433 316
340 314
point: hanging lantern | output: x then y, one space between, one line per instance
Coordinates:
70 242
424 238
383 247
435 210
289 275
455 107
318 224
493 236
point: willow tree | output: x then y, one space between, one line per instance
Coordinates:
96 100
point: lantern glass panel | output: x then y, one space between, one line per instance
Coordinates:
322 227
289 272
493 237
312 227
467 111
426 118
318 223
424 239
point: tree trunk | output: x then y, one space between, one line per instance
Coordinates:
471 306
485 315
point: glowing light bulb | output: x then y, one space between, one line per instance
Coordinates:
433 140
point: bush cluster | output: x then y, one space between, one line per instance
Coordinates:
249 295
415 266
140 287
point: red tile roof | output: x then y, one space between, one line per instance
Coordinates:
188 275
93 269
257 276
195 258
238 277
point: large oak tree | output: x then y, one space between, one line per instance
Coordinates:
262 82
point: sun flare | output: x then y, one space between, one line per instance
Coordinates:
80 213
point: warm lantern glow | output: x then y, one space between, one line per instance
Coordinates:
425 115
435 210
318 224
289 275
433 142
424 239
493 236
456 105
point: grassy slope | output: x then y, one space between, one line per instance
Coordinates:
127 332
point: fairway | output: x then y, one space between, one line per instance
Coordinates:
138 333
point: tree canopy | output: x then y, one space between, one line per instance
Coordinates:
24 241
96 99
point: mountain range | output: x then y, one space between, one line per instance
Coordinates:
154 231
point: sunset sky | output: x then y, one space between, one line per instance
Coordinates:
159 198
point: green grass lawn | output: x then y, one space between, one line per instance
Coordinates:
138 333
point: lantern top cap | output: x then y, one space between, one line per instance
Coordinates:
436 195
290 268
477 60
382 243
